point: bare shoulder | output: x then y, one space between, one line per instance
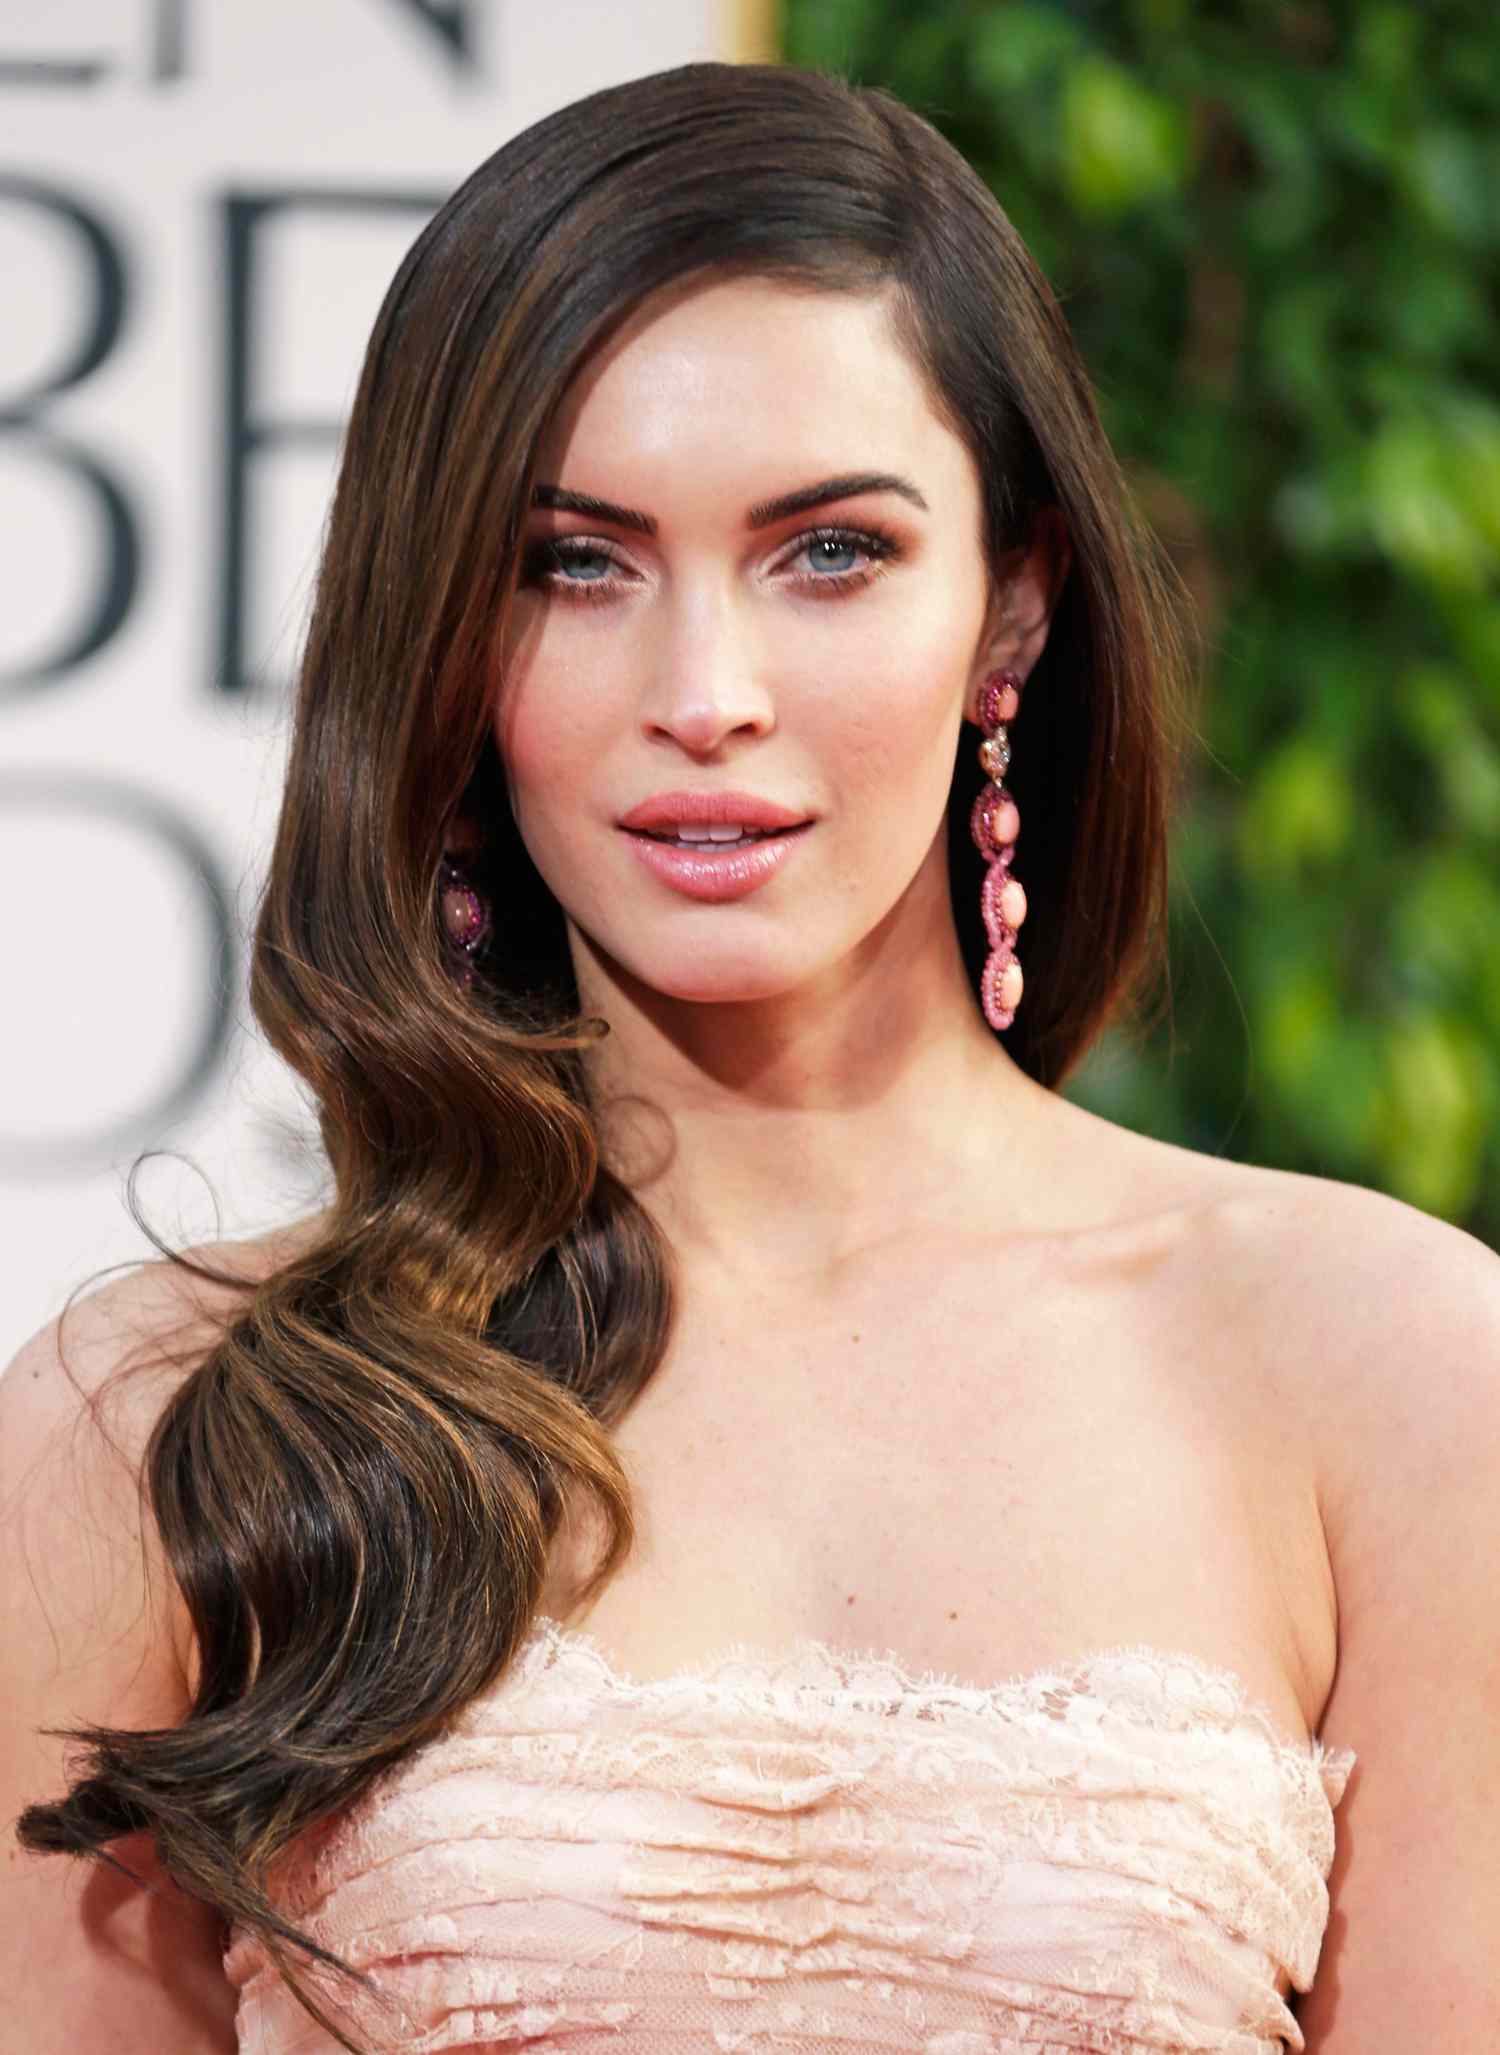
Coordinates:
1378 1326
1382 1324
1347 1290
1394 1318
93 1632
79 1401
1369 1328
154 1324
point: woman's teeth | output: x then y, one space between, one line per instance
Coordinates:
720 837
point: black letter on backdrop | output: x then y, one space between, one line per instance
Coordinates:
53 71
53 798
248 434
450 21
168 37
21 416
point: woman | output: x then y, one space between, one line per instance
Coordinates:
757 1524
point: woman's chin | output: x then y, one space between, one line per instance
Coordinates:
702 983
727 991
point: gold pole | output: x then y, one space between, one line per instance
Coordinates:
754 31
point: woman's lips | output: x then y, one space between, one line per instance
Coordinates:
704 871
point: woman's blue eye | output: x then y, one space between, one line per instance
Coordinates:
832 578
843 545
586 570
558 555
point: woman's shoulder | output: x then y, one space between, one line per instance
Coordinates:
78 1403
154 1322
94 1633
1308 1235
1321 1291
1346 1299
1381 1322
1342 1258
156 1319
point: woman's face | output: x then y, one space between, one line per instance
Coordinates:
819 658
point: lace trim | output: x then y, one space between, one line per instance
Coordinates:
1169 1687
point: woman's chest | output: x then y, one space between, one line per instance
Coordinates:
989 1461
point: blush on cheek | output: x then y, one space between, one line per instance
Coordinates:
894 733
534 749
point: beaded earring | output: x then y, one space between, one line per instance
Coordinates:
995 824
466 919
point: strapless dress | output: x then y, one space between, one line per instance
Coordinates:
813 1854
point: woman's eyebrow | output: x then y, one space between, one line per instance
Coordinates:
762 515
846 487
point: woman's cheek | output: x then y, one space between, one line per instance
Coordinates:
894 723
541 744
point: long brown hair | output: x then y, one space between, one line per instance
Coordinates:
358 1486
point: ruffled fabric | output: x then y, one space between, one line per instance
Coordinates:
791 1855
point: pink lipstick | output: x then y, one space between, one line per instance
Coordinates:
713 845
712 871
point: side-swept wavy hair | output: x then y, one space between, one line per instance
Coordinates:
358 1487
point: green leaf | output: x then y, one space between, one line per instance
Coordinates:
1328 1070
1015 50
1299 814
1474 626
1475 464
1441 1088
1122 143
1445 176
829 35
1297 1022
1445 921
1436 707
1386 43
1418 486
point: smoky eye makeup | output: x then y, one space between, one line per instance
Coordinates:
823 552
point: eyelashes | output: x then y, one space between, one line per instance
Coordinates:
545 563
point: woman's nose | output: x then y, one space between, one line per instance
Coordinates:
707 683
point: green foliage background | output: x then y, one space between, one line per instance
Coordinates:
1274 230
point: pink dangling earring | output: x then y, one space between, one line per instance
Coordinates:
995 824
465 916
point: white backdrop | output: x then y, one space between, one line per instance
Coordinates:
201 204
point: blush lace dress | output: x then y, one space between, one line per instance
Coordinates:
790 1855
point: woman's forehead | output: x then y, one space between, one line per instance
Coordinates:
740 383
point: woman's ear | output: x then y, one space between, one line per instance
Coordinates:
1027 592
